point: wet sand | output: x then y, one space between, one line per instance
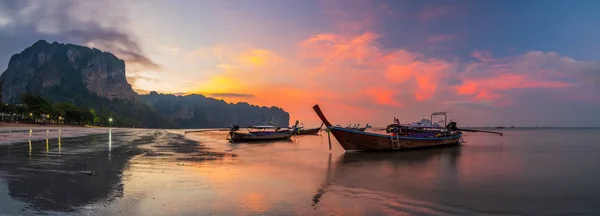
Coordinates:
164 172
68 175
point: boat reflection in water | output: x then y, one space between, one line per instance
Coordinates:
393 180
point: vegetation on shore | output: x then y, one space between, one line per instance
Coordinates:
36 109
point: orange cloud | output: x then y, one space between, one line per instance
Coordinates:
383 96
355 74
336 49
258 57
340 70
425 74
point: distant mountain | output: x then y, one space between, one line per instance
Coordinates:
95 79
195 110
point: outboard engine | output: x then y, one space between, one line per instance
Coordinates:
235 128
393 128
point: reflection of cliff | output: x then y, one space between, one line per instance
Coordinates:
51 178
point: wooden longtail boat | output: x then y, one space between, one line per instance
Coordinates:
363 128
260 133
351 139
411 129
355 127
310 131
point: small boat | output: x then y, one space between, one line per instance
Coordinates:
363 128
356 127
352 139
260 133
310 131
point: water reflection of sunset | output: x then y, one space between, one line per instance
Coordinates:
301 178
255 202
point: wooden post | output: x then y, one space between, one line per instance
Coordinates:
329 138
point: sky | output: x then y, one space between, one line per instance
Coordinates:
490 63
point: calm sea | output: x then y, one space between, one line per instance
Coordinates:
524 172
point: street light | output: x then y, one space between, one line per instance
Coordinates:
110 121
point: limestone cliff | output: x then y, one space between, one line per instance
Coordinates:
197 111
91 78
54 70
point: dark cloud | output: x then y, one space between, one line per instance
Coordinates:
591 74
101 24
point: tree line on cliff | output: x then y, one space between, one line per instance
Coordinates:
37 109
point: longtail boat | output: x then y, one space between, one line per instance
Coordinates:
408 129
356 127
310 131
351 139
363 128
260 133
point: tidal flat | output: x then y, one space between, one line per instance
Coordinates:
167 172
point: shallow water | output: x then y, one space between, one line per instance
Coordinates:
152 172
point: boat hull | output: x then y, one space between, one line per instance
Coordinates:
312 131
353 140
256 137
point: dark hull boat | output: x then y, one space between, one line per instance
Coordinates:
254 136
352 139
260 133
310 131
357 128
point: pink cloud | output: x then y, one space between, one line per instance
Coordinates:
491 88
383 96
354 73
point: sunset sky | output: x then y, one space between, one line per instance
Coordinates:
522 63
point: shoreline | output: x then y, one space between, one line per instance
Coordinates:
26 125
